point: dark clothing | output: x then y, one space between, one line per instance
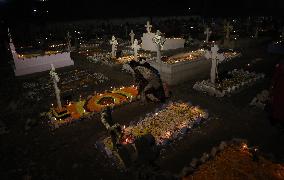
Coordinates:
148 81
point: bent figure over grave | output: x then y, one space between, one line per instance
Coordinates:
148 80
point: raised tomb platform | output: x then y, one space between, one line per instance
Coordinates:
171 43
182 67
186 66
41 63
29 64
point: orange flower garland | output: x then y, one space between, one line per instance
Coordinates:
93 103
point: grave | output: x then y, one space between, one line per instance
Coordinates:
170 43
32 63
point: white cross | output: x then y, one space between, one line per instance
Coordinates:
68 38
159 40
55 79
216 57
135 46
114 44
148 27
131 34
207 32
256 32
228 28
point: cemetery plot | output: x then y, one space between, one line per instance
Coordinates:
37 90
193 55
166 125
234 81
234 161
75 111
198 54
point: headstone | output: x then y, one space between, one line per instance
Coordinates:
159 40
132 36
68 38
55 79
114 44
256 32
207 32
135 47
215 57
228 28
148 27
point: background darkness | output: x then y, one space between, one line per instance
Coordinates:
88 9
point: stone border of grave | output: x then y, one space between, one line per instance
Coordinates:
114 157
207 87
197 162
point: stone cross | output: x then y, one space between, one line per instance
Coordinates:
256 32
207 32
148 27
215 57
228 28
10 36
55 79
159 40
247 24
131 34
189 39
114 44
68 38
135 47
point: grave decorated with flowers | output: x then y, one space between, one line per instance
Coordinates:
170 123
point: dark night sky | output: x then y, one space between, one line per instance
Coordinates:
80 9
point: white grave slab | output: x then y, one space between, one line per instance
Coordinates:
36 64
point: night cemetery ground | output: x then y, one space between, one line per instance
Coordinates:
37 151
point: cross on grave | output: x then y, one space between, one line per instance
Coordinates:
256 32
207 32
55 79
114 44
131 34
148 27
159 40
135 46
68 38
10 36
215 57
282 32
228 28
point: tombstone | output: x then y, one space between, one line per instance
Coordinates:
68 38
135 47
256 32
282 32
132 36
207 32
159 40
190 40
215 57
228 28
114 44
148 27
55 79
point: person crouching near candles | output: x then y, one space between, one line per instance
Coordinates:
149 83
